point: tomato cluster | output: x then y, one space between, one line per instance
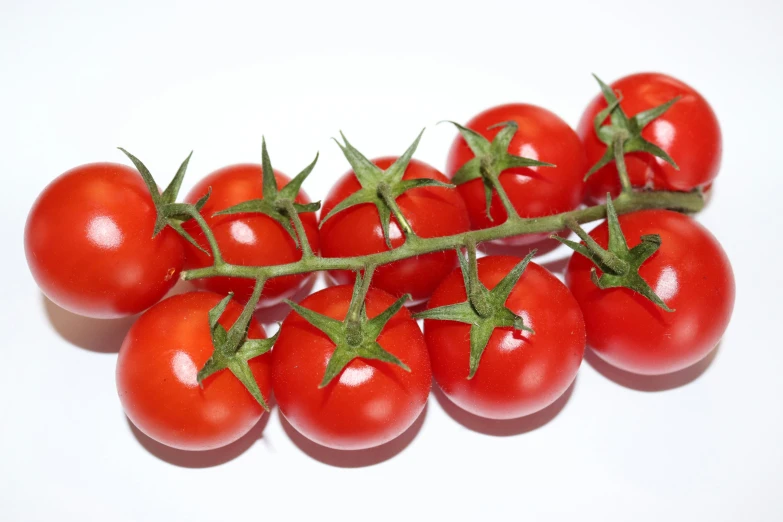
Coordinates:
650 291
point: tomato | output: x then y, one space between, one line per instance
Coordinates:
370 402
534 191
89 245
690 273
156 376
246 239
519 373
688 132
356 231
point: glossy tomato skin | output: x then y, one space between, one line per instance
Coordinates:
246 239
370 402
690 272
156 376
431 212
89 245
688 132
534 191
520 373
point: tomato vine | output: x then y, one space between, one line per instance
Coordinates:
382 187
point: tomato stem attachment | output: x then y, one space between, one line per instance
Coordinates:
381 187
353 319
494 182
478 295
490 160
607 258
287 206
279 203
384 191
619 264
619 159
623 135
355 336
232 348
217 257
494 313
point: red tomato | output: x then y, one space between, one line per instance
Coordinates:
246 239
690 272
534 191
688 132
89 245
369 402
156 376
520 373
356 231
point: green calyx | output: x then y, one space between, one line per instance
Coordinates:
279 204
356 336
490 160
168 211
484 309
619 264
232 348
381 187
623 135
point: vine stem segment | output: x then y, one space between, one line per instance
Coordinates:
625 203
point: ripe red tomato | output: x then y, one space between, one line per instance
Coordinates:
688 132
89 245
690 272
246 239
156 376
369 402
520 373
431 212
534 191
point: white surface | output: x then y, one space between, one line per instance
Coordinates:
162 78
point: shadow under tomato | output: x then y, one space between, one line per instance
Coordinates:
95 335
354 458
502 427
201 459
651 383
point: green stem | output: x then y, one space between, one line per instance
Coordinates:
511 212
217 257
619 159
304 243
353 319
611 261
358 300
385 192
235 335
625 203
477 293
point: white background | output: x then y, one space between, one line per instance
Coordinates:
78 79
